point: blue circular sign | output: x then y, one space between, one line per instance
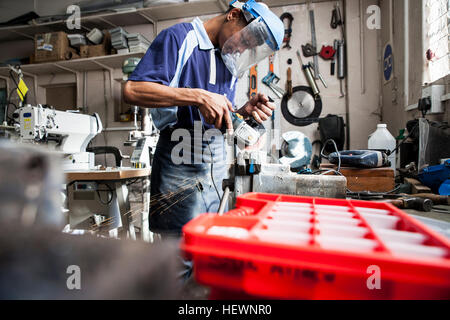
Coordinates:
388 62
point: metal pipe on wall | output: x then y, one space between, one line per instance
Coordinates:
347 103
362 47
406 55
85 107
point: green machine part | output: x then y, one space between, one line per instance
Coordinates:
129 65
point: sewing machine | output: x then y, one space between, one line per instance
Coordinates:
65 132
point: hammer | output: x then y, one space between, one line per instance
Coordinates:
420 204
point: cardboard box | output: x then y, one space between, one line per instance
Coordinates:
102 49
53 46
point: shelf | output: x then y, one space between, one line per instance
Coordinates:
110 20
77 65
152 14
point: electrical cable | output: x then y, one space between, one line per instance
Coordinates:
338 172
133 181
212 158
110 193
337 151
8 103
365 194
403 141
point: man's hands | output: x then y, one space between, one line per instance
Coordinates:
215 109
259 107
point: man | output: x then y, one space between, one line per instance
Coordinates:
188 77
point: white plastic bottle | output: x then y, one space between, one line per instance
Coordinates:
382 139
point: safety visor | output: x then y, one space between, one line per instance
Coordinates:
247 47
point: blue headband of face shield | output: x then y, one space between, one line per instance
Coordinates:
253 10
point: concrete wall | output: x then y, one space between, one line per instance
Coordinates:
363 102
398 93
10 9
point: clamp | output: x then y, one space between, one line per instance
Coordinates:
288 30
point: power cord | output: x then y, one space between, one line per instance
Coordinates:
8 103
326 157
110 194
133 181
212 158
403 141
338 172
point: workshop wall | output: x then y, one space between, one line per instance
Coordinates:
363 103
362 88
396 94
9 8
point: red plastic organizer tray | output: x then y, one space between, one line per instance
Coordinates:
290 247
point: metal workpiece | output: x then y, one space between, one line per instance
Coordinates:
278 179
324 186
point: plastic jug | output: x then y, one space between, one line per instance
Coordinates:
382 139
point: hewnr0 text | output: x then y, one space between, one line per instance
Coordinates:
246 309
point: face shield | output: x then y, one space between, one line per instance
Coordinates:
247 47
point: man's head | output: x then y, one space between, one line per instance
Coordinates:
234 22
249 33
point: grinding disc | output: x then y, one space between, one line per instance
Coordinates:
302 108
301 104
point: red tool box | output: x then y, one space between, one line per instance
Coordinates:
290 247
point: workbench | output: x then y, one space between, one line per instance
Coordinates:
83 204
436 220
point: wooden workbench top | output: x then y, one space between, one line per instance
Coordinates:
109 174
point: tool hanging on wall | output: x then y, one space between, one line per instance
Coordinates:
320 75
327 52
339 45
287 29
303 108
308 50
305 105
311 68
307 70
271 80
271 60
253 82
314 43
340 48
289 82
336 18
333 66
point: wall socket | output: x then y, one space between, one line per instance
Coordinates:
435 92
